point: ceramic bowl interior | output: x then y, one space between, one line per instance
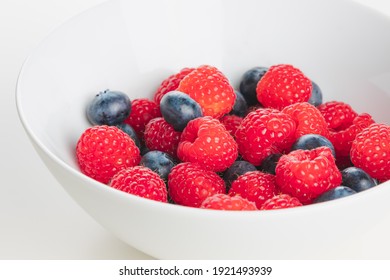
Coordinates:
133 45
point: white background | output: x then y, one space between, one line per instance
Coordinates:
38 220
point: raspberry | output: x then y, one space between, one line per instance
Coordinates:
211 89
140 181
142 111
231 123
161 136
260 133
281 201
308 119
370 151
227 202
102 151
189 184
306 174
283 85
207 142
338 115
255 186
342 139
171 83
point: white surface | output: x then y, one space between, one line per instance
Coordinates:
38 220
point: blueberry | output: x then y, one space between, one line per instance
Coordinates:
312 141
249 82
268 164
131 132
108 108
357 179
316 95
159 162
240 107
238 168
178 109
335 193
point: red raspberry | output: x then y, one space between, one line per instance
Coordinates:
342 139
370 151
231 123
255 186
207 142
211 89
281 201
161 136
142 111
283 85
140 181
305 174
189 184
338 115
171 83
308 119
227 202
261 132
102 151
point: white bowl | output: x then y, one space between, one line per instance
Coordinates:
132 45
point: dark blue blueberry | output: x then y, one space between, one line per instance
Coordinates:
159 162
312 141
109 108
268 164
240 107
131 132
335 193
249 82
238 168
144 149
316 95
178 109
357 179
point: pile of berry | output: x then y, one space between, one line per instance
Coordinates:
272 143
